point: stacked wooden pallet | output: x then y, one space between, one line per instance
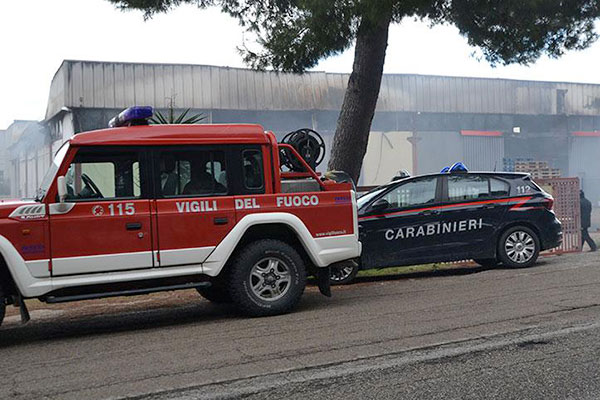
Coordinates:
537 169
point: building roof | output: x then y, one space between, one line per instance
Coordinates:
99 85
173 135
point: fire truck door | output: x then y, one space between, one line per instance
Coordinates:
104 224
194 208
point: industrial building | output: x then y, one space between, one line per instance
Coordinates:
422 123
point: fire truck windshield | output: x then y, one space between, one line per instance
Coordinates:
49 177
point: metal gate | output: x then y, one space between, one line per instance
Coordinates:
483 153
566 206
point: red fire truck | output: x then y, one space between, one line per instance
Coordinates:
141 208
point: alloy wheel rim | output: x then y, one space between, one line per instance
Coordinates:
520 247
340 273
270 279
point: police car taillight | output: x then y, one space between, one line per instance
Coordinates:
549 203
131 116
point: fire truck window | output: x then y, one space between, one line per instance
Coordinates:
103 176
252 165
189 173
412 193
499 188
467 187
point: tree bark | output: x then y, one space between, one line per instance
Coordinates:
354 122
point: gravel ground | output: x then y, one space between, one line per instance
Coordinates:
463 333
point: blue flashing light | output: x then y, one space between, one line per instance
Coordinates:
458 167
137 115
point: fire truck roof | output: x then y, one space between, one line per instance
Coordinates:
148 135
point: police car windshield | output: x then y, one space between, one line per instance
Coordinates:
49 177
367 197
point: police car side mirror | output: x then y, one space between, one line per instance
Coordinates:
379 205
61 186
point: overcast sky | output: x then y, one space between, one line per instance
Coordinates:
36 35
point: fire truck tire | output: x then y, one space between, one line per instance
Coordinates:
2 306
215 294
518 247
267 278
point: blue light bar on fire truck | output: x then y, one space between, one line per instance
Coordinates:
137 115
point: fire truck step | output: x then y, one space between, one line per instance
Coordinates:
129 292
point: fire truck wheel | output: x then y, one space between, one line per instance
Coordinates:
487 262
518 247
267 278
215 294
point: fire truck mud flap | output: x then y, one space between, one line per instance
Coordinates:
323 281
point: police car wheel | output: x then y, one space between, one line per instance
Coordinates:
215 294
519 246
343 274
267 278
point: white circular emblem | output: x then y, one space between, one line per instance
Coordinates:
97 211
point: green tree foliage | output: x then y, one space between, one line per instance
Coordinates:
294 35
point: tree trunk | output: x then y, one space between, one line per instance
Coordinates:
354 123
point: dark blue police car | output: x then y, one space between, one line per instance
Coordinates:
491 217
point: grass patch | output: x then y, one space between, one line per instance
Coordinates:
406 270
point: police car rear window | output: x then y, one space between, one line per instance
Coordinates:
467 187
473 187
499 188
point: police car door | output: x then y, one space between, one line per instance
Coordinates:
104 224
472 211
194 208
399 227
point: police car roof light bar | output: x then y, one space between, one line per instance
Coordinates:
137 115
458 167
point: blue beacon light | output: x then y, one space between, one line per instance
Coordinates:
137 115
458 167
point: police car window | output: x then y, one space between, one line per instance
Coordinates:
103 176
252 165
498 188
467 187
192 173
412 193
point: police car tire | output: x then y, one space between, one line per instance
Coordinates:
215 294
348 278
242 294
505 259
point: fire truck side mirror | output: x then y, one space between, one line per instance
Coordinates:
61 186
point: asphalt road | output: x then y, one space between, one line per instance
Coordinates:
466 333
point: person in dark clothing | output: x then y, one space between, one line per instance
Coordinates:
586 221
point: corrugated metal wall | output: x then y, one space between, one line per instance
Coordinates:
584 162
482 153
435 150
118 85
